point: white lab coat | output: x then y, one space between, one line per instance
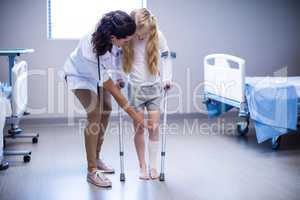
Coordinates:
81 68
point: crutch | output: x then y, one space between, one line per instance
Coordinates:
163 138
121 140
165 55
121 144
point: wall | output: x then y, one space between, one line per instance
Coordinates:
264 32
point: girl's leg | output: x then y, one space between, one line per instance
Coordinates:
139 142
153 129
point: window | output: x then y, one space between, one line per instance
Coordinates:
69 19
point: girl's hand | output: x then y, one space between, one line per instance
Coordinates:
167 85
120 83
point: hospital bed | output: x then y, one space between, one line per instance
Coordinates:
3 102
18 75
273 103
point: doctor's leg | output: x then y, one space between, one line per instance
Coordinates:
89 100
91 104
105 102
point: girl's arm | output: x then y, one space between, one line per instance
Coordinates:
122 101
166 62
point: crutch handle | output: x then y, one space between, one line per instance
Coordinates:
122 84
167 87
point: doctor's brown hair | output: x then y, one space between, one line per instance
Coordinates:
115 23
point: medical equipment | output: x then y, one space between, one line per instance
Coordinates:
163 139
99 76
226 86
3 97
121 143
18 73
164 55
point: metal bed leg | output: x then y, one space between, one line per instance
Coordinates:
163 140
16 132
276 142
26 154
4 165
243 126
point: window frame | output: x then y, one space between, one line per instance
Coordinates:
49 22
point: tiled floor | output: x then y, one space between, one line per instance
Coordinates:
201 164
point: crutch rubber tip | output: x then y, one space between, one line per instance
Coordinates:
162 177
122 177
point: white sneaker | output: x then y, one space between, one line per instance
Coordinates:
98 179
104 168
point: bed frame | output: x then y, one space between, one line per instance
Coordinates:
224 78
224 81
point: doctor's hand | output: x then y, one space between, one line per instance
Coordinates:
122 102
139 121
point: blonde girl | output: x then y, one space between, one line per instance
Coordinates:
148 74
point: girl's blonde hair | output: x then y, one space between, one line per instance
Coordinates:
144 21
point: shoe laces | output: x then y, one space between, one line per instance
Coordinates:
101 176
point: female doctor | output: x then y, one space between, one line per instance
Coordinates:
94 59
